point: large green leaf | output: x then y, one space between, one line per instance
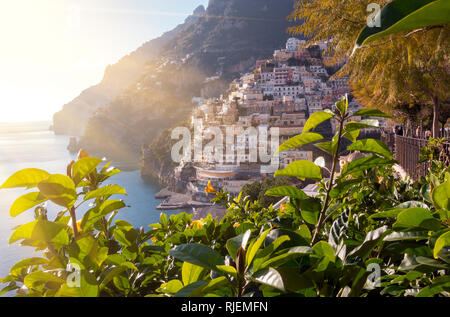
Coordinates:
25 264
172 287
371 146
441 242
87 252
363 124
289 191
365 163
197 254
325 250
190 273
233 244
302 170
25 202
283 278
405 15
441 196
84 167
29 178
403 236
300 140
60 189
116 271
372 239
329 147
278 237
98 212
317 118
342 105
41 230
39 277
291 254
201 288
253 248
106 191
416 219
310 209
368 112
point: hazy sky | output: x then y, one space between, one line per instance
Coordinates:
51 50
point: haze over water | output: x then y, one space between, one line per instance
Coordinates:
32 145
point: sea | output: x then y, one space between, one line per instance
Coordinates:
33 145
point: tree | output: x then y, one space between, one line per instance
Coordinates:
402 68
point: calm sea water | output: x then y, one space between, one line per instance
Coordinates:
32 145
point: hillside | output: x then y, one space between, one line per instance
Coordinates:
217 43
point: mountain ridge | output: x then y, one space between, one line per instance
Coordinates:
218 43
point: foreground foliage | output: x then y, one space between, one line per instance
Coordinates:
367 232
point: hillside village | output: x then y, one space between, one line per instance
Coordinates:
280 92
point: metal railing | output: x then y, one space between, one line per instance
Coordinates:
407 152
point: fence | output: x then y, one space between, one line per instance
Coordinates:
407 152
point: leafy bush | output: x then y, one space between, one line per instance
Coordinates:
366 233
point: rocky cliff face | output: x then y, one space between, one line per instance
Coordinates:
222 41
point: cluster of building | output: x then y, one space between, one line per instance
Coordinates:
280 92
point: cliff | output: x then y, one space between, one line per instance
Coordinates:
153 87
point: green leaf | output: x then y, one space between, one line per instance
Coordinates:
371 146
283 278
367 112
406 15
197 254
122 283
88 252
370 242
25 264
291 254
115 259
255 247
317 118
190 273
414 219
302 170
325 250
432 290
41 230
300 140
441 242
283 191
233 244
25 202
98 212
328 147
402 236
342 105
28 178
116 271
230 270
172 287
105 191
40 277
60 189
365 163
201 288
278 238
441 196
84 167
363 124
351 135
310 210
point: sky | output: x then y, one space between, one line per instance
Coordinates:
51 50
